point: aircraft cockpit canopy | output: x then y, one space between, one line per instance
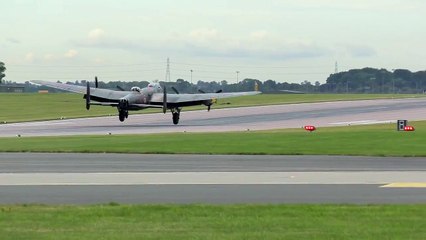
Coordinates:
135 89
155 87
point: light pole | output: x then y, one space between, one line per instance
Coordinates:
191 76
237 75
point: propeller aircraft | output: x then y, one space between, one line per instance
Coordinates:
152 96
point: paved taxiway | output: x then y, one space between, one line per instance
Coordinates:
234 119
132 178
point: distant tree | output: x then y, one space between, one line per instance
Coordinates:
270 86
306 86
365 80
420 79
2 70
371 80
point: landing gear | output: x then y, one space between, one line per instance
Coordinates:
123 106
176 115
122 115
175 118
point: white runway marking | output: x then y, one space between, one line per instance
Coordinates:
363 122
405 185
129 178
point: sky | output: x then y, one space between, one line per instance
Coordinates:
282 40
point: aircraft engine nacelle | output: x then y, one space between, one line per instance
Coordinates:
123 103
209 103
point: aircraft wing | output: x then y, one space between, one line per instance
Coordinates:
96 94
61 86
109 97
181 100
115 104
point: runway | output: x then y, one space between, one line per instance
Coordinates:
127 178
132 178
233 119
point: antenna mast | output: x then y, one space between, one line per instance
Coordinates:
336 69
168 71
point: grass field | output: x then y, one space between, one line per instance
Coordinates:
115 221
374 140
34 106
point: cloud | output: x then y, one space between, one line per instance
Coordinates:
98 38
49 57
95 35
203 34
258 44
13 40
210 42
98 60
359 5
71 53
30 57
360 51
259 35
272 53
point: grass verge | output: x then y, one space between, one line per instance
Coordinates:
373 140
34 106
116 221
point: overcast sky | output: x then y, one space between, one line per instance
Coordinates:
291 41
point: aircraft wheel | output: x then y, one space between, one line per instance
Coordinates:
121 116
175 118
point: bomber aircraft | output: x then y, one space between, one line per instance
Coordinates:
152 96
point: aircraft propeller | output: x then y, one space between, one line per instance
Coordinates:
88 96
120 88
164 100
175 90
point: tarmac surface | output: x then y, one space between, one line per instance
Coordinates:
233 119
162 163
132 178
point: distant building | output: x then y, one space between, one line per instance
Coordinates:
12 88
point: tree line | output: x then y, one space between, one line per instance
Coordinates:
365 80
372 80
